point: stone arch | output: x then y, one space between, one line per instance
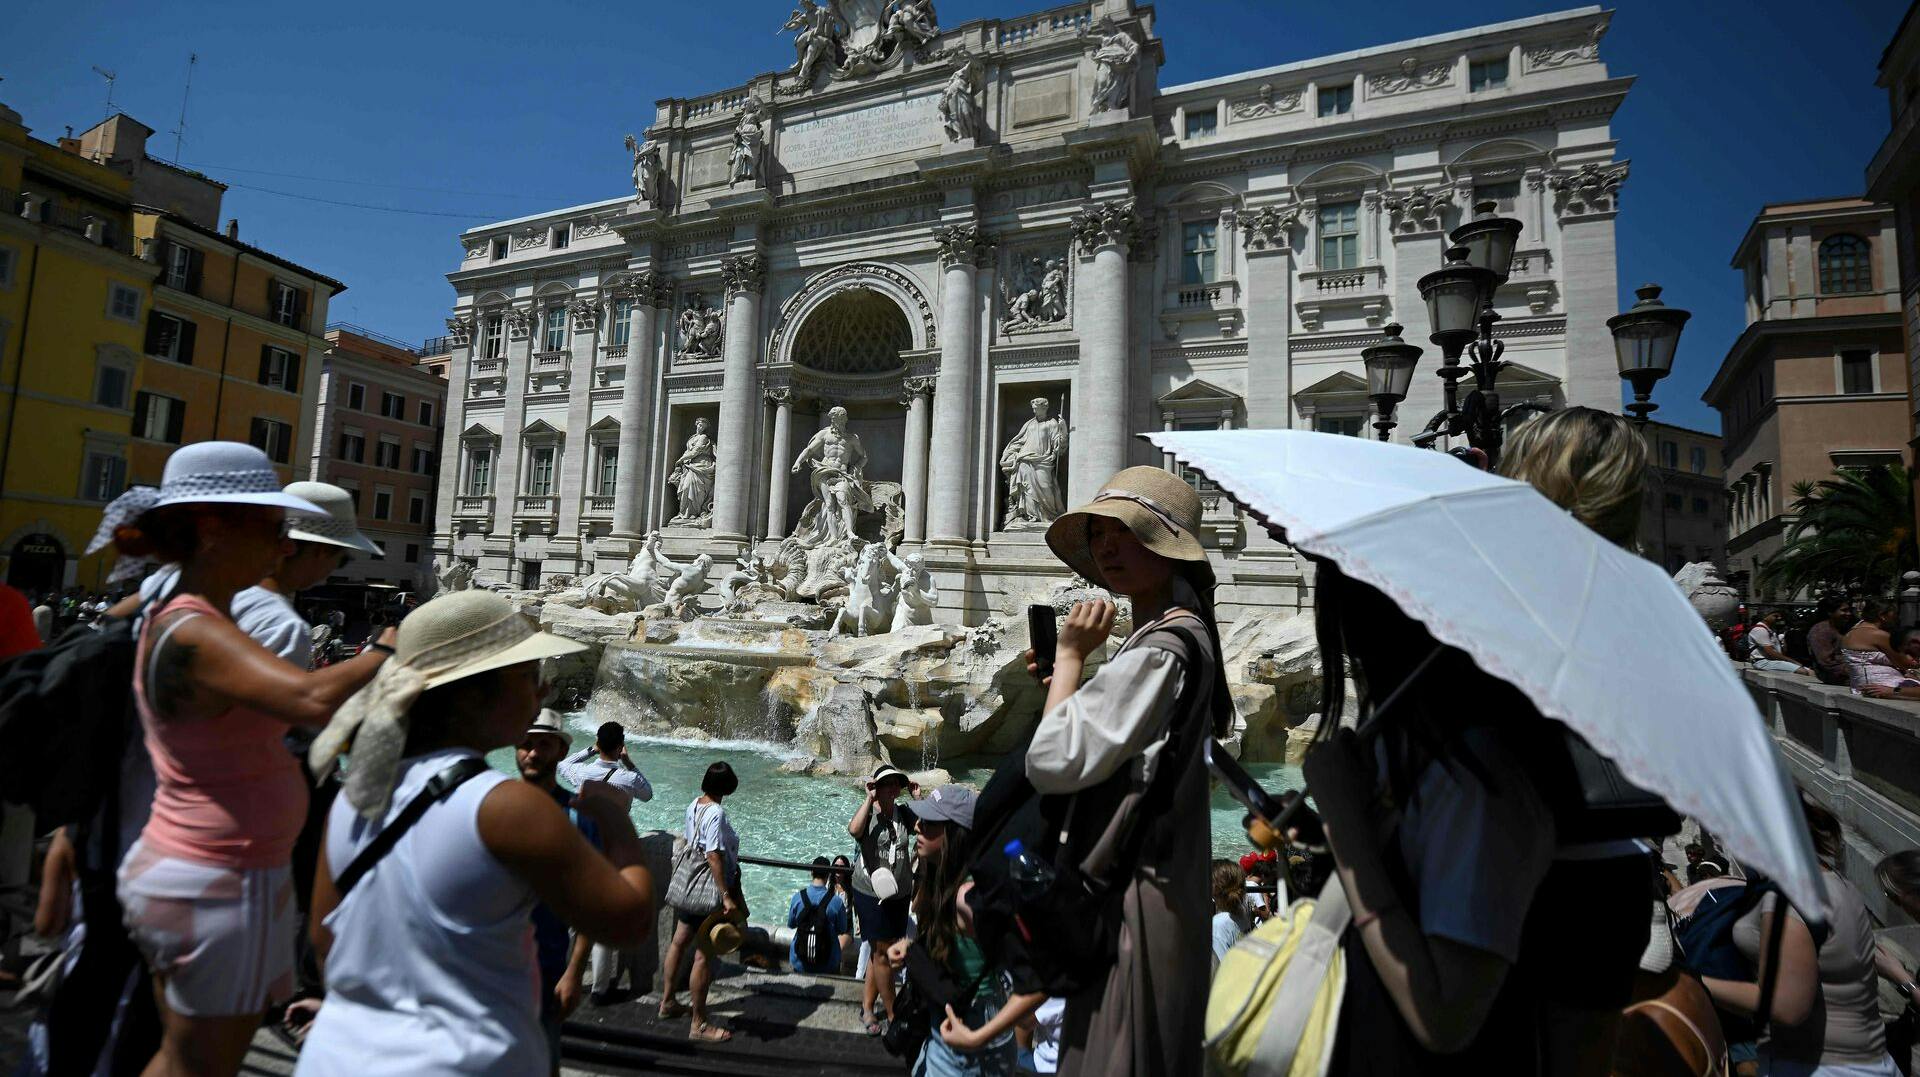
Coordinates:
1205 191
552 288
853 331
1498 149
493 299
893 284
69 552
1343 172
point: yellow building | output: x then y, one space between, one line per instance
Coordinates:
74 301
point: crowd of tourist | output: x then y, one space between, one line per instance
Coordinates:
322 842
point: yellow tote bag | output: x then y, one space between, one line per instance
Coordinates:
1275 1002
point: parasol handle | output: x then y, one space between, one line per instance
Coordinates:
1770 970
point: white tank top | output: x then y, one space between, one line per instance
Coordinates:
432 969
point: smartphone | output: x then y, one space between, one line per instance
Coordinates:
1044 631
1241 786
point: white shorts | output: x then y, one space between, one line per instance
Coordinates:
220 939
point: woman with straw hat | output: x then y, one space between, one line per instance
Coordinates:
1145 711
206 889
430 966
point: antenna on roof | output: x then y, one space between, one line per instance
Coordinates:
180 131
109 76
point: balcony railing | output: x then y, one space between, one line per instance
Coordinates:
597 505
487 366
1362 290
536 505
552 358
473 506
613 351
1075 19
440 345
95 227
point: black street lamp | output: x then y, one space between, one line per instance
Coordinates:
1390 366
1645 338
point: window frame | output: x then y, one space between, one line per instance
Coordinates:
1324 421
1346 240
356 396
175 417
383 502
1198 264
283 304
1835 275
116 474
543 468
9 257
1477 84
283 367
426 412
555 328
381 454
1868 365
269 427
619 322
607 483
399 411
1202 123
1342 100
560 238
417 500
112 362
358 440
493 336
500 248
479 471
117 291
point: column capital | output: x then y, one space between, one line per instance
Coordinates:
460 330
780 396
1112 224
1418 209
912 388
586 313
1269 228
648 286
1588 191
963 244
519 322
745 273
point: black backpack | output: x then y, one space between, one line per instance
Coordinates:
813 936
66 716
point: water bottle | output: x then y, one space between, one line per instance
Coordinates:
1031 875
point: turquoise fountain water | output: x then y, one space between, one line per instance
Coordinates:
786 816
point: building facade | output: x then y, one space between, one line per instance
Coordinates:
1684 515
74 300
378 427
935 228
1893 178
1818 380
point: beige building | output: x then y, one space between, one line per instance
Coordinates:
1684 519
378 429
1818 381
1893 177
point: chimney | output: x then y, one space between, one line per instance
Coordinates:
233 228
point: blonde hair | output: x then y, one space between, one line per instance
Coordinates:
1588 462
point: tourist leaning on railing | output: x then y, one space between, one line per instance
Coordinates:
708 832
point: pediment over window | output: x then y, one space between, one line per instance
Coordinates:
1340 383
1199 393
478 432
608 425
541 430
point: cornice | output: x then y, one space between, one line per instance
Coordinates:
187 302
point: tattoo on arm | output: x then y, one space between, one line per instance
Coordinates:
172 686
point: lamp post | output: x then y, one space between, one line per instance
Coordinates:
1390 366
1459 297
1645 338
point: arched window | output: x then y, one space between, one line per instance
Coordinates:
1843 264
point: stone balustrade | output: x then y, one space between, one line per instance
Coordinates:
1859 757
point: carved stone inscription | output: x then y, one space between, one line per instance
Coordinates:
795 231
1041 99
708 167
874 131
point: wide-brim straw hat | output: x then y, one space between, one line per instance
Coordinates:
1161 510
226 473
720 934
447 639
340 524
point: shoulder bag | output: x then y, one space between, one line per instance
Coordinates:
693 890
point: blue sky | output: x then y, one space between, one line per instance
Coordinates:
484 110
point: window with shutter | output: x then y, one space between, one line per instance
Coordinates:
162 332
183 347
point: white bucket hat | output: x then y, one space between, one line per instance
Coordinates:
447 639
340 525
226 473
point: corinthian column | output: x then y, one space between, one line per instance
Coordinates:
913 471
650 292
1105 233
963 249
745 278
778 475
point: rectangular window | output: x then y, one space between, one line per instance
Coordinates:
1340 235
1486 74
609 470
110 385
1336 100
286 304
357 397
273 438
480 473
499 248
1203 124
158 418
540 475
413 553
562 235
426 413
1672 502
1856 372
105 477
1700 506
1199 249
7 259
387 454
491 337
123 303
382 504
279 368
1352 426
1502 195
353 448
1669 454
416 509
530 574
179 267
1697 458
393 405
555 337
170 338
422 461
617 327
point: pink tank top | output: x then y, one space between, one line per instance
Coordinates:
229 793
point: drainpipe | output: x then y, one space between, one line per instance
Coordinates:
226 347
19 367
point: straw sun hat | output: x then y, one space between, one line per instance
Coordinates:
339 527
1161 510
447 639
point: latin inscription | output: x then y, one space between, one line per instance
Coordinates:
1023 197
874 131
796 231
1042 99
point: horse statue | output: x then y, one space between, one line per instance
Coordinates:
864 613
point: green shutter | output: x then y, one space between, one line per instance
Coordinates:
142 404
188 331
266 363
176 419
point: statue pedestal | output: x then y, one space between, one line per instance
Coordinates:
741 201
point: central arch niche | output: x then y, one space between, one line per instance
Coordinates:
855 332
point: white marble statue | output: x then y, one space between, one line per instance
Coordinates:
817 30
911 23
748 159
1113 63
641 585
1035 294
454 574
646 169
692 479
865 613
689 585
959 112
702 334
840 490
913 591
1031 463
1053 292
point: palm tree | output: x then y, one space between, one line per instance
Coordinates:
1852 531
